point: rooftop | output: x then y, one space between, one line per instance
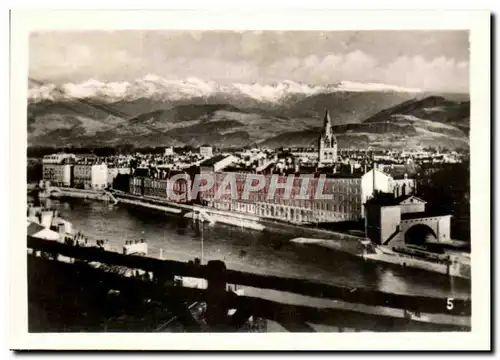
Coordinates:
402 198
213 160
243 169
383 199
421 215
34 228
399 171
302 149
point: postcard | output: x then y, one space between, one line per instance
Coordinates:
208 180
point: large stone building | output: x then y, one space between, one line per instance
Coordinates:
57 169
57 174
401 221
346 192
165 187
90 176
344 203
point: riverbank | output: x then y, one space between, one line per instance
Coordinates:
300 234
452 265
335 240
66 192
262 252
347 243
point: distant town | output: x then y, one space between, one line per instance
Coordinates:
347 171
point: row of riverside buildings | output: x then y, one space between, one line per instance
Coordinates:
348 190
66 170
347 194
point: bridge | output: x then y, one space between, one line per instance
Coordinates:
362 313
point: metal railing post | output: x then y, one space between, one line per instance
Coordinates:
216 316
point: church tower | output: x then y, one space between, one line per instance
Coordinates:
327 143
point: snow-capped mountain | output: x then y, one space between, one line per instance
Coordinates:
359 87
155 87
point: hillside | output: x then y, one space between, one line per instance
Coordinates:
433 108
429 121
362 116
345 107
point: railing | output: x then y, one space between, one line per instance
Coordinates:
292 317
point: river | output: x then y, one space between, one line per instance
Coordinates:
248 250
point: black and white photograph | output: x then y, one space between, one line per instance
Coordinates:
187 180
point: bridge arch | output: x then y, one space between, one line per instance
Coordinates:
418 234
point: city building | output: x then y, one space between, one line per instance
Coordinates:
169 151
206 151
162 188
376 180
397 222
325 154
57 174
57 158
217 163
57 168
90 176
347 191
327 143
305 153
344 203
410 204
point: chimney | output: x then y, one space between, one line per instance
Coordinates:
374 173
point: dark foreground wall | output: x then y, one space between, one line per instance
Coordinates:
74 298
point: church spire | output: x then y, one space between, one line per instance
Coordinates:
327 142
327 120
327 125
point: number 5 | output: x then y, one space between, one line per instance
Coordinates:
449 303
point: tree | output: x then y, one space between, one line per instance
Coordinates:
446 188
133 163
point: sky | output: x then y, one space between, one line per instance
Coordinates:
429 60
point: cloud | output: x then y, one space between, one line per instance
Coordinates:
439 74
65 60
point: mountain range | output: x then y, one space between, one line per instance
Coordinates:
156 112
